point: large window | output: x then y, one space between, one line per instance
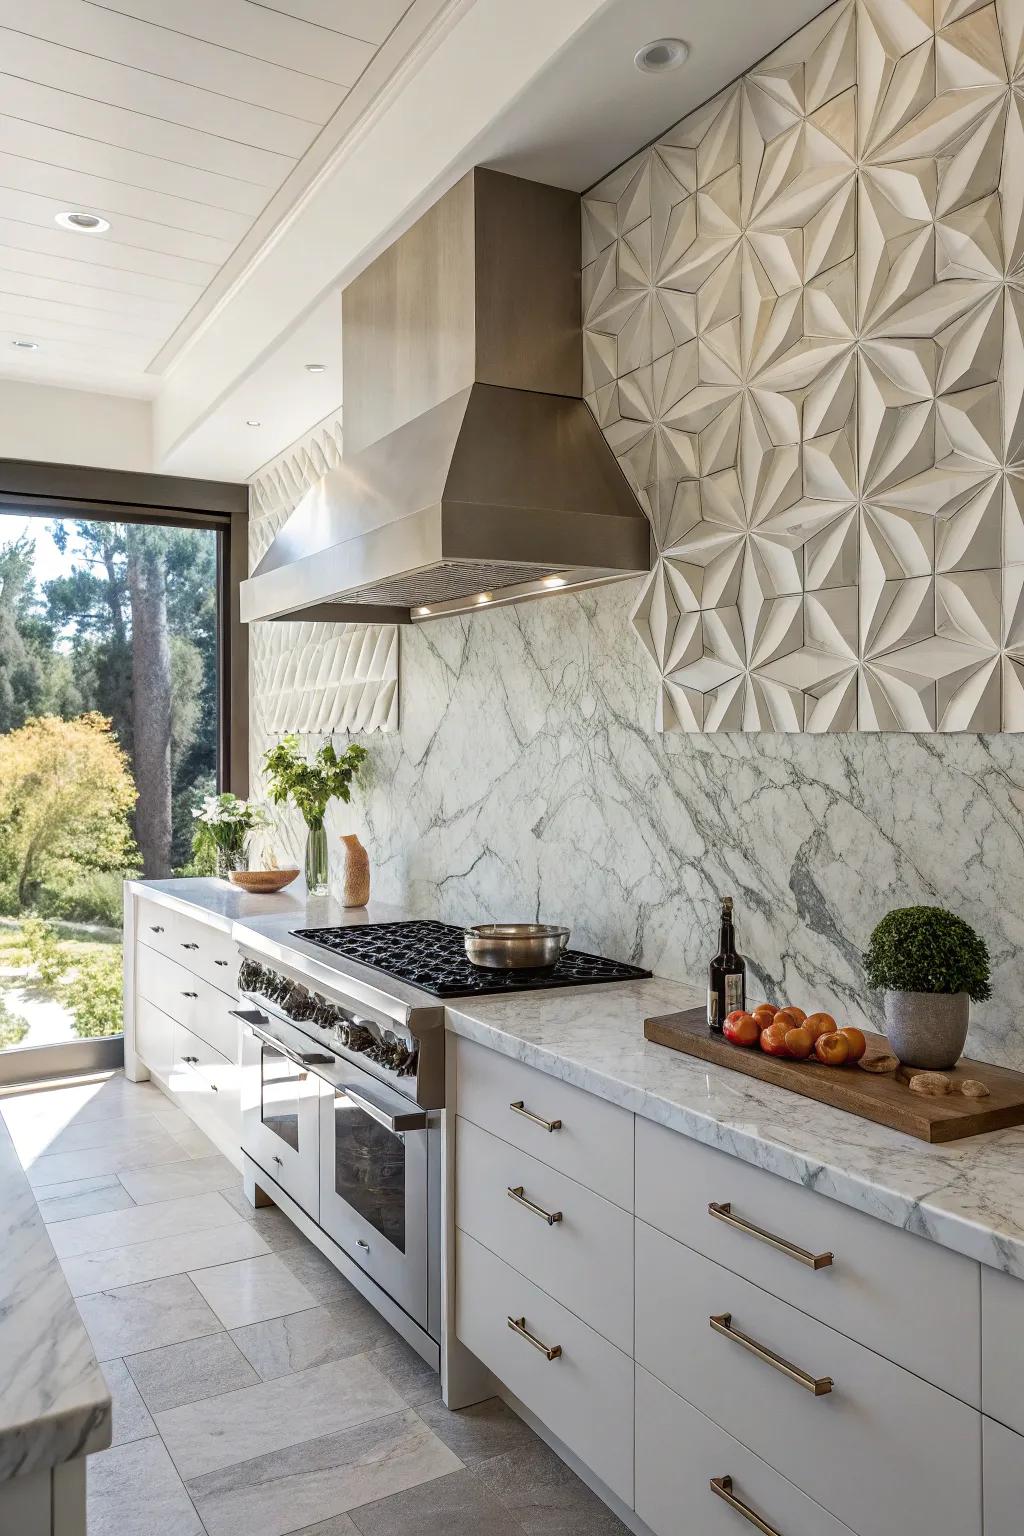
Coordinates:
109 732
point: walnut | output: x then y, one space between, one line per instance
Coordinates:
931 1084
972 1089
879 1064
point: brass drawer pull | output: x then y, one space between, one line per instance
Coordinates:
516 1193
547 1125
724 1212
722 1488
818 1385
518 1325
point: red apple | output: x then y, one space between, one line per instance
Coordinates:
741 1029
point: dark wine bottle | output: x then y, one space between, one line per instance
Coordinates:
727 974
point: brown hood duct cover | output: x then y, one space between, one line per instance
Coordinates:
473 472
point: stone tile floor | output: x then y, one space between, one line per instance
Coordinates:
255 1392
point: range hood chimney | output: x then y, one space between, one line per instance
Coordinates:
473 473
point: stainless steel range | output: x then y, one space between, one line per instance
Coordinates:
343 1088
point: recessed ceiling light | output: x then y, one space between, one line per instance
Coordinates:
251 421
26 346
82 223
661 54
316 367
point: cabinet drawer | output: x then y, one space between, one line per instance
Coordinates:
1002 1347
208 1087
592 1141
870 1451
872 1289
679 1451
1004 1480
584 1259
187 999
584 1396
154 1038
206 951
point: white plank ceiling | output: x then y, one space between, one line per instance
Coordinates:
176 120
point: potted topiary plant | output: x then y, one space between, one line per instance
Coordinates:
929 964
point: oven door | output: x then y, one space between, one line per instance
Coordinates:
373 1183
280 1108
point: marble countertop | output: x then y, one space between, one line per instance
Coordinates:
54 1402
967 1195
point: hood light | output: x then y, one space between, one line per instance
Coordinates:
82 223
553 581
662 54
485 597
421 612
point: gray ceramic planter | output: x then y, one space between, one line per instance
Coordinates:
927 1029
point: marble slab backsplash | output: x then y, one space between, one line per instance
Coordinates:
526 780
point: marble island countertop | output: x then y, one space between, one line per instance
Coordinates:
54 1402
967 1195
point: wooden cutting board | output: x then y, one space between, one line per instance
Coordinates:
885 1099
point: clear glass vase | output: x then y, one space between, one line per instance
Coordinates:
316 858
229 859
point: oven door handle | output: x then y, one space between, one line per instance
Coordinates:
377 1109
248 1017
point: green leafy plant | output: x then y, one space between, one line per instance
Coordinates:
93 993
311 785
13 1028
44 949
927 949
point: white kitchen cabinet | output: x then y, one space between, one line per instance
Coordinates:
154 1038
868 1450
576 1383
871 1290
1004 1480
1002 1348
583 1136
572 1243
180 993
680 1454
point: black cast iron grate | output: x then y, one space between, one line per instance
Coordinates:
431 956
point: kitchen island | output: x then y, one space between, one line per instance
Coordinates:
54 1403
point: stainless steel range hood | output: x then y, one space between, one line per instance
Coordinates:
473 472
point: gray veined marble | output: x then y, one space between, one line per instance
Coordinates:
527 781
238 1426
54 1402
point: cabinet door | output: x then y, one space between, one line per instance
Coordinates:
1002 1348
680 1455
154 1038
1004 1480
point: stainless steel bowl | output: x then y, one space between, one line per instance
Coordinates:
515 946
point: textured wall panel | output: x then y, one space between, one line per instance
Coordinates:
804 339
312 678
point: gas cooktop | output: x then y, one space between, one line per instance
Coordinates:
430 955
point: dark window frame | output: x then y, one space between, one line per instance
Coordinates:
37 489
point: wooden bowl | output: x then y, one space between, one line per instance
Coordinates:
262 882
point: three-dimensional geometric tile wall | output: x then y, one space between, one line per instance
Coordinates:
804 341
311 677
